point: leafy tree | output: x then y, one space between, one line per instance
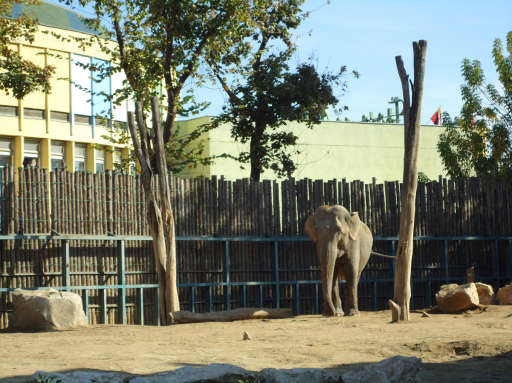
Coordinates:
479 141
162 42
17 75
264 93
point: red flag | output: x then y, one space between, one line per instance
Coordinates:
436 118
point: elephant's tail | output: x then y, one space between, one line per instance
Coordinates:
383 255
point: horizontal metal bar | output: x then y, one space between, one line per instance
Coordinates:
87 237
62 288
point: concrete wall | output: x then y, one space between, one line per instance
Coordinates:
355 151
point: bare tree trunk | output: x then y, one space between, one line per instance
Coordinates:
159 210
412 118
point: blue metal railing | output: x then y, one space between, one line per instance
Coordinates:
228 284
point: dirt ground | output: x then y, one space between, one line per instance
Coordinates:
471 347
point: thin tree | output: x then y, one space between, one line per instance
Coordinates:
161 42
412 118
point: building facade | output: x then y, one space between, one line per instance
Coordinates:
330 150
69 127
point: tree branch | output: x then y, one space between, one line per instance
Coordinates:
232 96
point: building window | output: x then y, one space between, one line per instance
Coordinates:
31 154
9 111
81 119
99 155
5 152
59 116
80 157
58 152
33 113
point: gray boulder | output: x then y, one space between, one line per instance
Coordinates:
298 375
485 293
398 369
46 309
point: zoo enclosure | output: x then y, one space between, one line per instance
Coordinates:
97 209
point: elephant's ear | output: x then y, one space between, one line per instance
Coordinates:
309 228
355 225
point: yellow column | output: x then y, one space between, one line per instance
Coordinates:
20 109
70 156
109 158
46 98
19 148
45 154
90 165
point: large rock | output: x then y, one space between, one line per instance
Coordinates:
298 375
485 293
399 369
453 298
46 309
504 295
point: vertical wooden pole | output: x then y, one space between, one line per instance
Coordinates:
412 118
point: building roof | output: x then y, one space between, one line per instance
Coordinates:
52 15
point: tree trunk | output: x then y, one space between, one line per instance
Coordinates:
232 315
255 155
159 210
412 118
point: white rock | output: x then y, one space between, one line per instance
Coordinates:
485 293
399 369
46 309
504 295
188 374
453 298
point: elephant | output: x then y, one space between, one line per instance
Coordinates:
343 247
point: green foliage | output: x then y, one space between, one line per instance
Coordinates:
479 141
17 75
264 93
160 45
422 177
46 379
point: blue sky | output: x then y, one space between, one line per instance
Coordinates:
366 35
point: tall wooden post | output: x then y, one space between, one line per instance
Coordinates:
412 118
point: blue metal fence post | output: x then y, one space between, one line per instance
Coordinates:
276 274
158 312
509 260
104 309
85 303
66 279
227 275
297 299
374 295
121 275
192 299
317 308
140 305
210 299
445 261
496 262
244 296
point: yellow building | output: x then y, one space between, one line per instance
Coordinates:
351 150
66 128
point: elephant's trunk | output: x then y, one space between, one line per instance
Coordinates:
327 269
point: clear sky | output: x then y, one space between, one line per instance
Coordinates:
366 35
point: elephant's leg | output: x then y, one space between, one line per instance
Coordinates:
338 273
352 277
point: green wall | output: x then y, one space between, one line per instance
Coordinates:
355 151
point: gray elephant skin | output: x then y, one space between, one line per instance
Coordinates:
343 247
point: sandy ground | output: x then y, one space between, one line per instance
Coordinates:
471 347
